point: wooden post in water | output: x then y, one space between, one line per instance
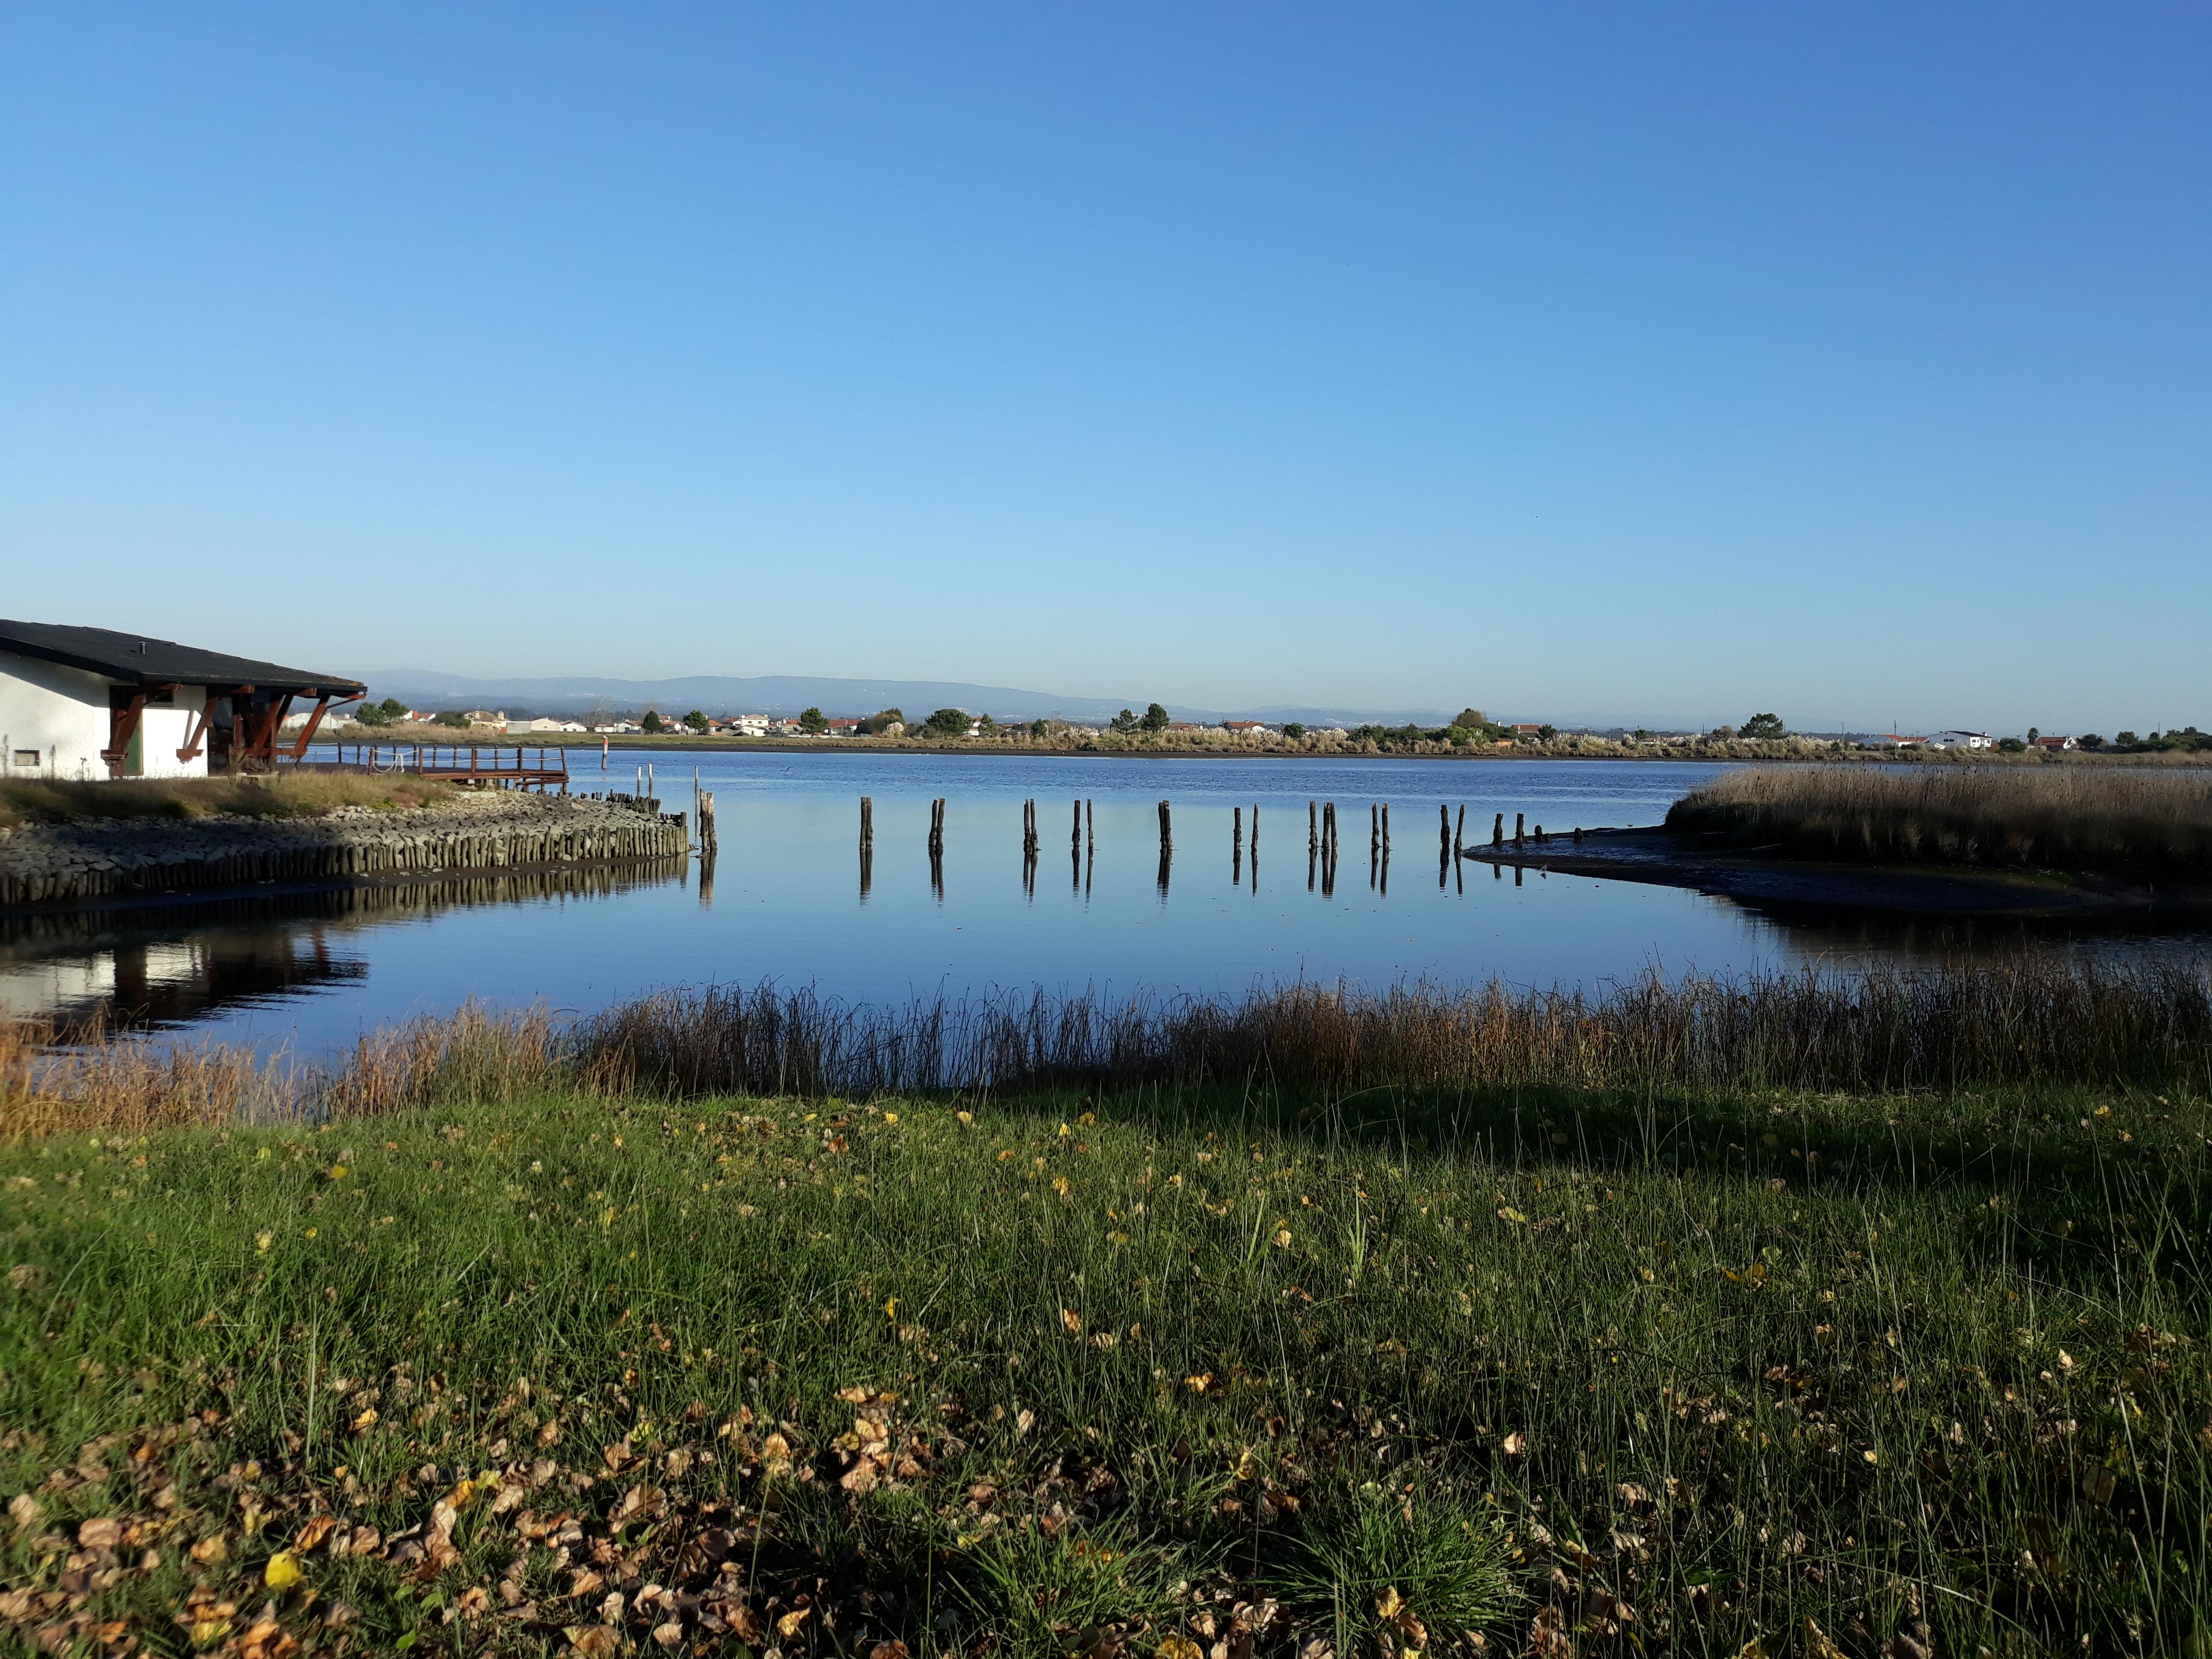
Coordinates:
1075 835
1519 839
1236 830
867 823
1459 832
1313 831
1090 826
1167 831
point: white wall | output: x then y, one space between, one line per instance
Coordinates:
62 713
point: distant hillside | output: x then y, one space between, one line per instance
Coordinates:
788 694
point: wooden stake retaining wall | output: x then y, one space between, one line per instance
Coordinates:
75 864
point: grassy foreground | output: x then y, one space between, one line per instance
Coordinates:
1176 1372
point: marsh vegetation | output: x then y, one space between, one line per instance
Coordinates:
2063 818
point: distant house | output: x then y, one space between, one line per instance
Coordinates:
1898 740
1524 729
1256 729
2057 744
544 723
494 717
1962 740
842 727
91 702
748 726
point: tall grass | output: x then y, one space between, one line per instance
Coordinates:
2055 817
291 795
2031 1022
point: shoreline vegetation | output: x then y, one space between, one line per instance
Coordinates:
1789 1314
1209 742
32 801
2142 825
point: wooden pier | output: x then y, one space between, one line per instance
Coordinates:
507 766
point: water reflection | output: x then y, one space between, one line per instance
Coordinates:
179 963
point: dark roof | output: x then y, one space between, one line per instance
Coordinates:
137 658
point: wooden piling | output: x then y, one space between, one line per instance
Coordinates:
1459 832
1167 830
1497 831
1520 839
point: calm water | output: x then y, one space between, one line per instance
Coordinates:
786 901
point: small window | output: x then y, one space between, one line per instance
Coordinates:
27 757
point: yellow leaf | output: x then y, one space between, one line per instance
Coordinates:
1387 1603
1516 1443
788 1627
318 1529
208 1632
891 1117
1819 1644
366 1421
1510 1215
965 1117
1074 1323
1282 1238
1180 1647
262 1241
1199 1384
283 1570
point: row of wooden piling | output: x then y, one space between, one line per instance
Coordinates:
1323 840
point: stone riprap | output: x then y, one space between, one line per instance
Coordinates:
93 860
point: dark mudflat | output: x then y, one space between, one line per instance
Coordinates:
1665 859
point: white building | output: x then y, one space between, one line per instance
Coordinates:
1962 740
544 723
91 702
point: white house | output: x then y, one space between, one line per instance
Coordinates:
1962 740
92 702
749 725
544 723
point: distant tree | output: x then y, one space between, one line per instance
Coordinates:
882 721
452 718
1547 732
1155 717
811 720
1763 727
1641 735
1720 733
2033 734
1124 721
2125 739
653 722
696 719
1459 736
1293 730
2012 745
985 726
2090 740
947 723
382 714
1039 729
1471 719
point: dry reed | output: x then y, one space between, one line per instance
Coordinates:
2056 818
288 795
2022 1023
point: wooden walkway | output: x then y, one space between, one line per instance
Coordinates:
508 766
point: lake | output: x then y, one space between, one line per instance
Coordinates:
786 901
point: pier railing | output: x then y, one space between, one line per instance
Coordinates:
512 766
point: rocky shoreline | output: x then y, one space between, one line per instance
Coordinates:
104 861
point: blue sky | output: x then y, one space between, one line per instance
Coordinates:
1654 363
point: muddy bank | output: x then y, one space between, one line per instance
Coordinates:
1663 857
110 861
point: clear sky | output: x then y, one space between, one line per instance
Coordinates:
1649 362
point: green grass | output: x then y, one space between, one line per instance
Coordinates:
1657 1372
